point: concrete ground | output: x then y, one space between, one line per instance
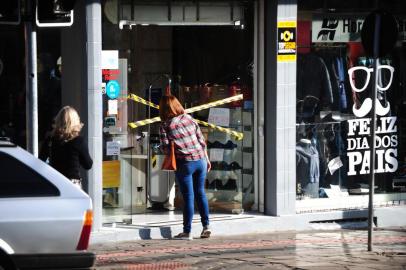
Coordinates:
339 249
163 225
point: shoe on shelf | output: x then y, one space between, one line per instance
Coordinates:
219 165
205 233
216 184
215 144
231 184
229 145
234 166
183 236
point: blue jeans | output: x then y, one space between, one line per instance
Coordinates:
190 176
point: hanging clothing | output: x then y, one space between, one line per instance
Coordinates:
307 163
354 50
341 84
313 79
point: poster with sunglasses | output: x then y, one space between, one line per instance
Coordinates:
386 142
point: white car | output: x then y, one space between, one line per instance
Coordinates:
45 220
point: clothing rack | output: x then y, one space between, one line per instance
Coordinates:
319 123
327 45
323 45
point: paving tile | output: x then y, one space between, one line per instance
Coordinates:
324 250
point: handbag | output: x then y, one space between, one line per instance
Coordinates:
169 163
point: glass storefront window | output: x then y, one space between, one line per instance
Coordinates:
200 63
333 108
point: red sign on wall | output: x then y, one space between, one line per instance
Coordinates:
110 74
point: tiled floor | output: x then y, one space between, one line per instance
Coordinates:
160 218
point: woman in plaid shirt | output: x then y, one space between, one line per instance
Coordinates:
191 160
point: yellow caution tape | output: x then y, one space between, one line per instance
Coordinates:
144 122
214 103
143 101
236 134
193 109
154 160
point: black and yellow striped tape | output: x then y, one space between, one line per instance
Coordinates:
153 160
214 104
236 134
143 101
144 122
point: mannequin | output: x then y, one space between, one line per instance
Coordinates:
306 141
307 168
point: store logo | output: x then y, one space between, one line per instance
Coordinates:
113 89
328 29
286 41
287 36
386 141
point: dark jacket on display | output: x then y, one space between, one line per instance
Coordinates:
313 79
67 156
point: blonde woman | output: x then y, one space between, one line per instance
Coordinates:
66 150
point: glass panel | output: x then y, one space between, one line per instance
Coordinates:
204 63
117 186
334 89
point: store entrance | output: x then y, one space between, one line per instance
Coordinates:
199 64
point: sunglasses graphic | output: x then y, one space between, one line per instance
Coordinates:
354 71
358 86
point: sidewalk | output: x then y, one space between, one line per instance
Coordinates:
341 249
165 225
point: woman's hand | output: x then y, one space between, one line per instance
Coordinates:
208 165
208 161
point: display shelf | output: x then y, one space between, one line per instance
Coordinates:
229 207
225 201
225 182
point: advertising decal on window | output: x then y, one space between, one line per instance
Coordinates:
286 41
344 28
386 141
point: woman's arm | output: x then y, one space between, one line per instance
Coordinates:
163 136
84 157
202 142
45 149
208 161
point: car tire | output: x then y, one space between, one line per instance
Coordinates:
6 263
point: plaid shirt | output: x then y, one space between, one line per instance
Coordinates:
186 135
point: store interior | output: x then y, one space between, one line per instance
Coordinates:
329 45
199 64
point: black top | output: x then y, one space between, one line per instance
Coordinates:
67 157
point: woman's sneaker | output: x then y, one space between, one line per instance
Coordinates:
183 236
205 233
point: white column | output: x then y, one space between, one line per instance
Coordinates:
94 106
280 116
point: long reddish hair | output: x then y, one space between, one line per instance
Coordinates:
169 107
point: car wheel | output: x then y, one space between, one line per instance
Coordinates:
6 263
